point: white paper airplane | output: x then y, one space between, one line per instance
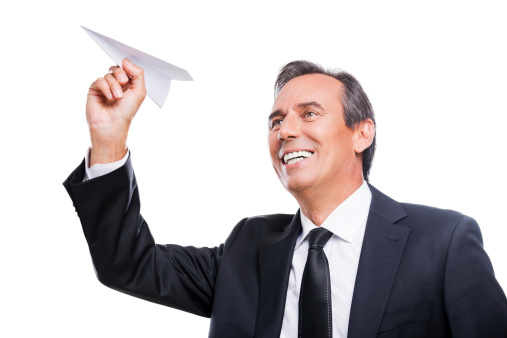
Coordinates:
157 73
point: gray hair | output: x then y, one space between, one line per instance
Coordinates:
356 106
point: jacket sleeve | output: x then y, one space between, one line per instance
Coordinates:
474 301
124 254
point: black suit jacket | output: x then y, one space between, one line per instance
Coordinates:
422 271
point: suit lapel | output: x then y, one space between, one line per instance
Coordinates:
275 261
381 253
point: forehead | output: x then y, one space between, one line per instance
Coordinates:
320 88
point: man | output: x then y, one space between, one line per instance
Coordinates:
350 263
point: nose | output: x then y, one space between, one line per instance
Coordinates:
289 128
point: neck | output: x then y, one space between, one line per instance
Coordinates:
318 204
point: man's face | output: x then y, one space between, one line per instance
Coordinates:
307 118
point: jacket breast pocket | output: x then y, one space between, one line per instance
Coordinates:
406 316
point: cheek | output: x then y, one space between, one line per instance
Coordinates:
273 147
342 145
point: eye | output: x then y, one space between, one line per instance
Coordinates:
276 123
310 114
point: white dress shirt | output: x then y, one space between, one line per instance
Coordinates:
347 223
102 169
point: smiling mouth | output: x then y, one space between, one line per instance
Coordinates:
296 156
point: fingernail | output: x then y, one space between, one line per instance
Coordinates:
119 93
128 62
123 78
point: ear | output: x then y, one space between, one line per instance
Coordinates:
364 134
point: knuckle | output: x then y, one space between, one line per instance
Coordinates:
111 80
100 82
121 76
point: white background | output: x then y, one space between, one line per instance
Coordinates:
434 71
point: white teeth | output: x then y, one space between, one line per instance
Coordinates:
296 156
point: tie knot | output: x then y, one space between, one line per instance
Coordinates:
318 238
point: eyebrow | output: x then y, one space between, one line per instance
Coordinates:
279 112
310 104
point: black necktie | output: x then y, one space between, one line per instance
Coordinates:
315 316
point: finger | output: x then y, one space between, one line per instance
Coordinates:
102 86
119 74
114 85
136 75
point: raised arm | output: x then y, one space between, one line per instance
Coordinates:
124 253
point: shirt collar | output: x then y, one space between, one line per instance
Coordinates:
346 219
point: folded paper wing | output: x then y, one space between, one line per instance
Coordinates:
157 73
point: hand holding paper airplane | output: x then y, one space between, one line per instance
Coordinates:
158 73
112 103
114 99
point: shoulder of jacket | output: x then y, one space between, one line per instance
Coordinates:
273 220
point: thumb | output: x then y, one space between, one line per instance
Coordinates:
136 75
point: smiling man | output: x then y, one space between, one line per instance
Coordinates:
351 262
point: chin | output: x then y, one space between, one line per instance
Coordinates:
295 186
